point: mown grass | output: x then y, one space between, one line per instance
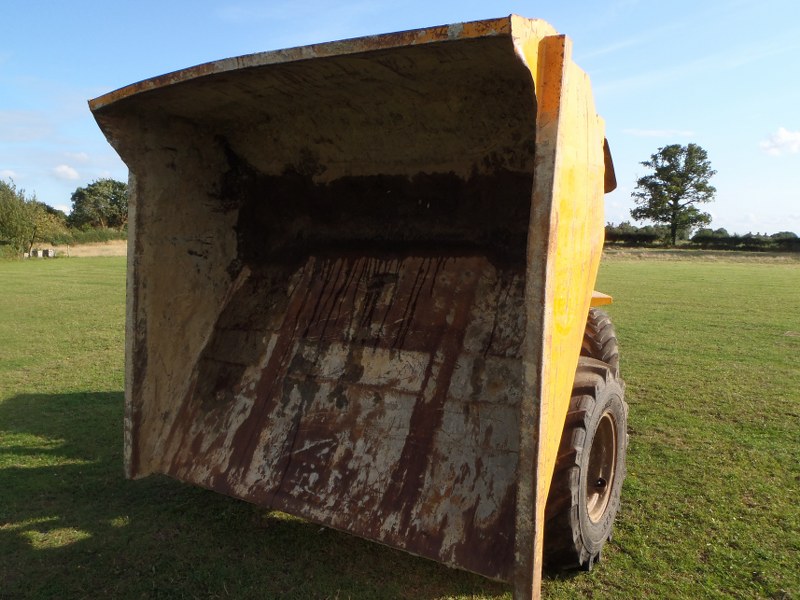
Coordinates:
710 356
711 359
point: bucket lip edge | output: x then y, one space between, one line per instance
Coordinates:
485 28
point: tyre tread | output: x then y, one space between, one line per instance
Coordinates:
600 339
564 547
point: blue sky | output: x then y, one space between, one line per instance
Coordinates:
724 74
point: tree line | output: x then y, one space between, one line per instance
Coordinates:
626 234
99 212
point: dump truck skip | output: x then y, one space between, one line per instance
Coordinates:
360 290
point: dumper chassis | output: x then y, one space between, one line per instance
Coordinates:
359 275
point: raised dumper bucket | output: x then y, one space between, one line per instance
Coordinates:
359 274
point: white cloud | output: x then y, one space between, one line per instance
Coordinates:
66 172
8 174
782 141
659 133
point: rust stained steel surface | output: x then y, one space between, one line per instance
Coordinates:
338 293
377 400
369 384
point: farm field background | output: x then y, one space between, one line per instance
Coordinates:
710 346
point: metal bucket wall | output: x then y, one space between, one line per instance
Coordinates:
340 298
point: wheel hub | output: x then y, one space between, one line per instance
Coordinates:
602 467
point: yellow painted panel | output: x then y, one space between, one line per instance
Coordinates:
600 299
565 245
576 245
576 237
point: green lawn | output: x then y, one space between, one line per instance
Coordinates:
710 508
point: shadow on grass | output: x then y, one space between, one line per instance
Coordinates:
72 526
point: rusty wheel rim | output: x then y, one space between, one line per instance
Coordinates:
602 467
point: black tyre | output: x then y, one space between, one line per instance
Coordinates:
587 481
600 339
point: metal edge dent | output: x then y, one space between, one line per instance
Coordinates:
442 33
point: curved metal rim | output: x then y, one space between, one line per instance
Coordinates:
442 33
602 467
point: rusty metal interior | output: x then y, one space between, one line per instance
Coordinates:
329 289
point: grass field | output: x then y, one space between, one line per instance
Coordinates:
710 355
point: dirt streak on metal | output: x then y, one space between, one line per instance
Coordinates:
377 395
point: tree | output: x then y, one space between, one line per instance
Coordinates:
679 183
13 229
45 224
24 221
103 203
16 217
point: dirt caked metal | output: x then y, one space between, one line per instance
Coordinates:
359 274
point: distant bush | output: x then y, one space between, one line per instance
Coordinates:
720 239
89 236
626 234
7 250
632 238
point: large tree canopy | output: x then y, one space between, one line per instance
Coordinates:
103 203
679 182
